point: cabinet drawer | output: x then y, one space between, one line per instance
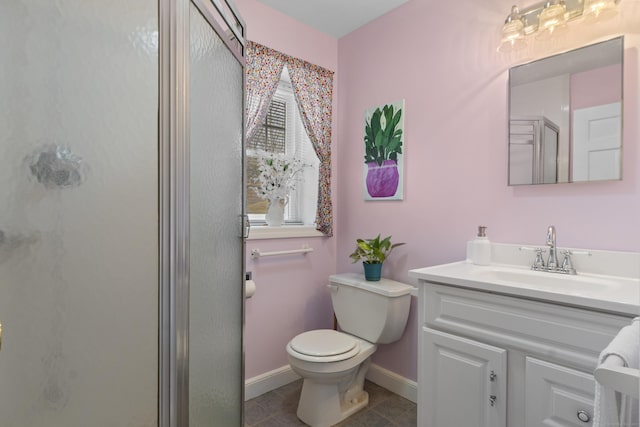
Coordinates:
564 333
557 395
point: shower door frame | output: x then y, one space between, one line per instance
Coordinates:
174 196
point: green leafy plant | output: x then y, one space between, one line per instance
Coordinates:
382 139
373 251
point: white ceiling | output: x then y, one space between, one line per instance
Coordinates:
334 17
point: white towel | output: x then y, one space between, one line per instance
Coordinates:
626 346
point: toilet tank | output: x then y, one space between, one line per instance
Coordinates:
374 311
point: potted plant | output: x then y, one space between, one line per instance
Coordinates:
383 143
372 253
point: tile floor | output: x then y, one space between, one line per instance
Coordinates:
277 408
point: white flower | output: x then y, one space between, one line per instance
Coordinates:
276 175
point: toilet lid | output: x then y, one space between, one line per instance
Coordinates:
323 343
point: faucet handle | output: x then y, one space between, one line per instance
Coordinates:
538 262
567 264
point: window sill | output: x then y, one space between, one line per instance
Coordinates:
258 232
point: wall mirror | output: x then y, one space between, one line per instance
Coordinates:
565 117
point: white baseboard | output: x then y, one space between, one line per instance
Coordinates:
256 386
263 383
393 382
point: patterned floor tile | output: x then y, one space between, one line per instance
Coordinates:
277 408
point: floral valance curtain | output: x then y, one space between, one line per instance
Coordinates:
264 67
313 91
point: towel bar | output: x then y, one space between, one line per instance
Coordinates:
612 373
255 253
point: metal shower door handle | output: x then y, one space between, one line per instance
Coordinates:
246 226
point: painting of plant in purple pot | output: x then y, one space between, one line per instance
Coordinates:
383 159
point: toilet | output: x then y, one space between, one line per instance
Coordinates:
332 363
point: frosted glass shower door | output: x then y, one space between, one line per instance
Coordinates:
216 246
79 213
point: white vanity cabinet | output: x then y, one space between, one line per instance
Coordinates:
496 360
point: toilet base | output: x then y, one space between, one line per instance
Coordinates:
324 402
331 411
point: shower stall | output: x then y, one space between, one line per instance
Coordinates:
121 213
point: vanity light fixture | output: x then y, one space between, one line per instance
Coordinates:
548 17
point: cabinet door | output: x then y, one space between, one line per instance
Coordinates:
464 382
557 396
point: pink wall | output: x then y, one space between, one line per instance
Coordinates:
291 295
441 58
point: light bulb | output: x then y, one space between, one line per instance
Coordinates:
512 32
552 16
599 8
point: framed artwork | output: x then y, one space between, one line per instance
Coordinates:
383 152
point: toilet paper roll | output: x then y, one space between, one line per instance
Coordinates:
249 288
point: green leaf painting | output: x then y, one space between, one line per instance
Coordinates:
384 146
383 134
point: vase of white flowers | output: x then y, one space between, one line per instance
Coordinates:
275 213
277 176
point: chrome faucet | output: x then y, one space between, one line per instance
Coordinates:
552 263
553 266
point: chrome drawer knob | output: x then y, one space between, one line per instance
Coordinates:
583 416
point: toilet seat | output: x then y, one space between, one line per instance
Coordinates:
324 345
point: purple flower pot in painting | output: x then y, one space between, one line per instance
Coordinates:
382 181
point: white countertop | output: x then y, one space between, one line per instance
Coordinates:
600 292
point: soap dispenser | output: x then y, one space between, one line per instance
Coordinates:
481 248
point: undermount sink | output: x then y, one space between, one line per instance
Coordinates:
574 284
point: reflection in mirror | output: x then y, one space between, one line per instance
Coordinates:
565 117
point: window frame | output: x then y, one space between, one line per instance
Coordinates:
295 140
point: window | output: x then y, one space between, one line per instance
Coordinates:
283 133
